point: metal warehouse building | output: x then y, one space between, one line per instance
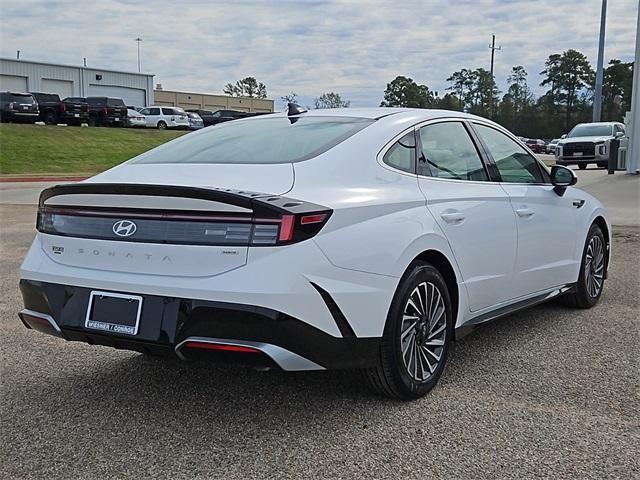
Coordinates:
70 81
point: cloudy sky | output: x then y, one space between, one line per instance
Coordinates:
312 46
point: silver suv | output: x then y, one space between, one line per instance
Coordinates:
589 143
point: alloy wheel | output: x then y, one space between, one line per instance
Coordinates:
594 266
423 331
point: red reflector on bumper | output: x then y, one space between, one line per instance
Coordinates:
221 347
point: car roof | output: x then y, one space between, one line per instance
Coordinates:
600 123
380 112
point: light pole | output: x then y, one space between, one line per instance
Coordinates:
597 98
138 40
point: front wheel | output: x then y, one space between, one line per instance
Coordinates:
416 337
582 166
592 268
603 164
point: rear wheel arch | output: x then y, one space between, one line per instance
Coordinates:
443 265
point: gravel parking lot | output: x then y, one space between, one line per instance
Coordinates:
550 392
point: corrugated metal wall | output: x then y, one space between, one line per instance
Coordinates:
81 78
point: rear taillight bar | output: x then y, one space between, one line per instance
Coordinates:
184 228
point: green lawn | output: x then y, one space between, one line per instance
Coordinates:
33 149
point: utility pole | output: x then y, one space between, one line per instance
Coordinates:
597 98
493 51
17 54
138 40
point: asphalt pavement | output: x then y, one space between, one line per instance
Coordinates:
550 392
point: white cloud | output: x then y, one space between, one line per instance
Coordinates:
352 47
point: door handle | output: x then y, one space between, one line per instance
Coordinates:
525 212
453 217
578 203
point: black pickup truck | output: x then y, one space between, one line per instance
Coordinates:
107 111
71 110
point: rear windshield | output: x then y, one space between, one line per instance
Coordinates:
17 97
259 141
46 97
75 99
115 102
591 131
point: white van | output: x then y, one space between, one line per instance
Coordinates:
165 117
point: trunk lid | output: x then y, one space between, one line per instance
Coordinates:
194 227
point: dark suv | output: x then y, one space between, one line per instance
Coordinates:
18 107
71 110
107 111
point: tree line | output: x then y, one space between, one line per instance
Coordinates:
568 77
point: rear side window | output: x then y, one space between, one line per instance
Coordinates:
513 162
450 153
402 154
167 111
258 141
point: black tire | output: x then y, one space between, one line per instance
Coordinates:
603 164
50 118
582 166
92 122
391 377
583 296
162 125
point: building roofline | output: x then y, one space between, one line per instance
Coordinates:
76 66
212 94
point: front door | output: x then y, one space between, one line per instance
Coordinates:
546 222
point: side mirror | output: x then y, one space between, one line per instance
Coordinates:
561 178
619 134
564 135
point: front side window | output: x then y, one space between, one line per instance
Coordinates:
153 111
402 154
258 141
449 152
513 162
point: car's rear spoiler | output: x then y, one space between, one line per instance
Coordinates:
260 203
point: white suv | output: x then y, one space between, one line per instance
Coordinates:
165 117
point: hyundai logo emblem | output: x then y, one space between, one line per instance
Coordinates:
124 228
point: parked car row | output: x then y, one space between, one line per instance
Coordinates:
105 111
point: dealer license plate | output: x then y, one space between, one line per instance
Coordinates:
114 312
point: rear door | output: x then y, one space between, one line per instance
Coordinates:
546 222
473 212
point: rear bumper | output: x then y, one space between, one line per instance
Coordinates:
172 326
71 116
20 116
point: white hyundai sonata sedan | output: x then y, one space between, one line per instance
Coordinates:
309 240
